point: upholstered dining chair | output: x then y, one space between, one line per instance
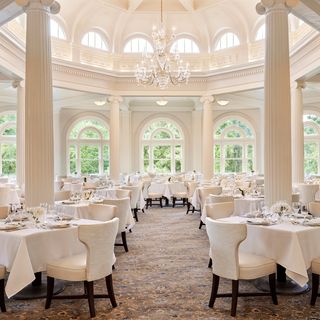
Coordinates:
96 263
191 186
122 193
315 269
4 211
314 208
134 198
102 212
213 198
218 211
203 194
307 193
179 192
153 196
123 205
229 263
2 276
62 195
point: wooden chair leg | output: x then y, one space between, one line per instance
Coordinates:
272 284
188 207
315 286
110 290
124 240
214 290
135 214
50 286
90 294
235 292
210 263
2 304
160 202
201 224
173 201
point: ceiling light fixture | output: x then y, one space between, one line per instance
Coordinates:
163 66
223 102
162 102
100 102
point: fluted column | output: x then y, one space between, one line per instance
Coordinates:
196 142
20 171
126 140
207 137
115 137
278 178
297 133
39 162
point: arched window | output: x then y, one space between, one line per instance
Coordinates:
162 147
184 45
261 33
94 40
137 45
88 147
227 40
311 123
234 146
8 150
56 30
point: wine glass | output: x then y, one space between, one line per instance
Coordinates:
296 206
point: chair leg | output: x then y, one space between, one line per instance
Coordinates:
135 213
110 290
50 286
188 207
173 202
272 284
214 290
210 263
124 240
2 304
315 286
201 224
160 202
90 292
235 292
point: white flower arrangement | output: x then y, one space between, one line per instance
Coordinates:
36 213
280 208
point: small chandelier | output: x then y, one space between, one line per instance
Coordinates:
162 67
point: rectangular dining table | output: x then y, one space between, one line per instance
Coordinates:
26 251
293 246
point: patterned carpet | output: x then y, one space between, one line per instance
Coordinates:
165 276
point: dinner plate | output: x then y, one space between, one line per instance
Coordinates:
9 226
58 225
259 222
68 202
63 218
311 223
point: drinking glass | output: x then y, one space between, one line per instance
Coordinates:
296 207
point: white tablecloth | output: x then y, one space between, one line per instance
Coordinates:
24 252
291 246
82 210
246 205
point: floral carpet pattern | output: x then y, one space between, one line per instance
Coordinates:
165 276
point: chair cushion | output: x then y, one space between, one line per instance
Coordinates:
315 266
71 268
253 266
180 195
2 272
154 195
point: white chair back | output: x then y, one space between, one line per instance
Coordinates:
62 195
135 192
121 193
4 195
307 192
213 198
204 193
219 210
191 186
225 239
102 212
177 187
123 209
314 208
99 240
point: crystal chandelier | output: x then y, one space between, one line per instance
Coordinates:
162 67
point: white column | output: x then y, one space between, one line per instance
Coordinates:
207 137
20 171
126 140
260 161
196 142
278 179
115 137
39 160
297 133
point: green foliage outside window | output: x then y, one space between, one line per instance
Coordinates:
72 159
106 157
10 117
89 123
8 154
89 159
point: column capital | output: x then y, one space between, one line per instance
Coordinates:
264 6
206 99
18 84
115 99
300 84
53 5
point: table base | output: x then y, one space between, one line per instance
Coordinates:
286 288
38 289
